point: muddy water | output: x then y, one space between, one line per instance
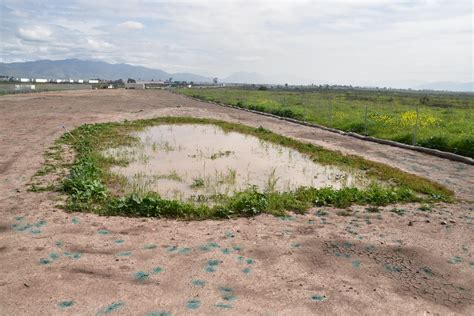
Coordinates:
195 161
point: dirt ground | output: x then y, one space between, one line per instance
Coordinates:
53 262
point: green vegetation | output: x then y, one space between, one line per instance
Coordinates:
444 120
9 87
197 183
93 188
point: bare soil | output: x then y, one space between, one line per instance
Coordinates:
367 262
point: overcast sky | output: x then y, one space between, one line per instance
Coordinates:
360 42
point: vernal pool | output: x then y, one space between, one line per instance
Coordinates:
197 161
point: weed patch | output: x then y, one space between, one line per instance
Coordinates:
91 186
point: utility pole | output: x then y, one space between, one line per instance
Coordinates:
365 119
330 112
416 127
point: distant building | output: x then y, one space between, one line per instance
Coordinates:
24 80
41 80
59 80
80 81
24 87
93 81
138 86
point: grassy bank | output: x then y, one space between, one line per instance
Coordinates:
444 121
91 186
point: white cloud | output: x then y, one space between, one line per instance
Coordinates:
336 41
35 33
132 25
98 45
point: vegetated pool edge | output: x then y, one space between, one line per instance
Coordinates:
89 179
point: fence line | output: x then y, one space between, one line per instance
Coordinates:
430 151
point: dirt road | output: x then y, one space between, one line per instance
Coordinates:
54 262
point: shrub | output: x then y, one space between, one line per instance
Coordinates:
464 147
84 185
357 128
247 203
435 142
285 113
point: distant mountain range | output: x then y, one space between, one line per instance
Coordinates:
87 69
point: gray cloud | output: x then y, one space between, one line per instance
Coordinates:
365 42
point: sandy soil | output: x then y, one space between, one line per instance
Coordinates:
54 262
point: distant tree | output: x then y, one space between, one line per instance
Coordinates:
214 80
425 100
130 80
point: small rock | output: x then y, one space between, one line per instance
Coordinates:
444 223
427 221
410 223
452 221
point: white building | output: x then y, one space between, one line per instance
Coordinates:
59 80
24 87
80 81
41 80
24 80
93 81
71 80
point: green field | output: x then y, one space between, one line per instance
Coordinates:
17 87
445 120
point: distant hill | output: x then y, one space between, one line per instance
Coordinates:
87 69
244 77
190 77
448 86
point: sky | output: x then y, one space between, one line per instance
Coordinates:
359 42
